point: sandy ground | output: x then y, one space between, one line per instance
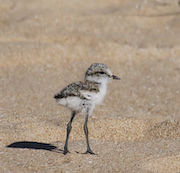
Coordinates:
44 45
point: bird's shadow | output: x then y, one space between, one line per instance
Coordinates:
35 145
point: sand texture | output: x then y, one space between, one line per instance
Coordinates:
46 44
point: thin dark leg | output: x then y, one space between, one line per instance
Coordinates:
86 134
69 127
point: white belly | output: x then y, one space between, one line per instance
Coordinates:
74 103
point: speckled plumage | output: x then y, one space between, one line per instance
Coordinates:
98 69
74 89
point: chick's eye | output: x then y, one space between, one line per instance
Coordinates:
101 72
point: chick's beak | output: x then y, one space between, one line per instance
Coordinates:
115 77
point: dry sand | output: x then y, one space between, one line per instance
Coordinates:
44 45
